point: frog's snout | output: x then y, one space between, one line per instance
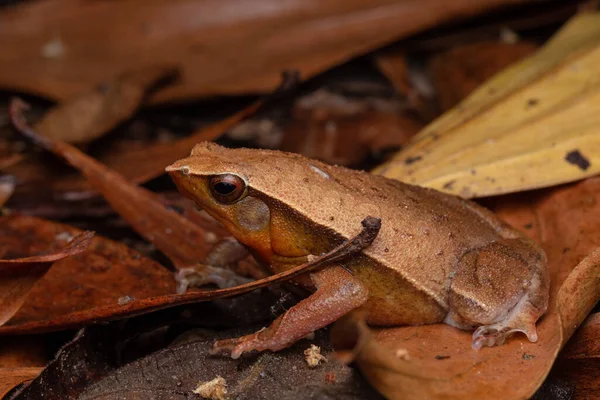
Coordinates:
178 166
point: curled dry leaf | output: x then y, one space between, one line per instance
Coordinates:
18 276
137 165
442 364
89 116
82 282
103 298
536 116
180 239
232 46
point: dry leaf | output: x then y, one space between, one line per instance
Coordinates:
92 114
180 239
442 364
18 276
12 377
232 46
393 64
136 164
21 359
536 117
459 71
576 371
338 130
104 289
97 277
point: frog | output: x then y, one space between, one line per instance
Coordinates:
437 258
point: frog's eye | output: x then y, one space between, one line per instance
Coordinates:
227 188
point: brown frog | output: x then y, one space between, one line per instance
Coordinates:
437 258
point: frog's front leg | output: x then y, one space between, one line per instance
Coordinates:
500 289
337 292
216 267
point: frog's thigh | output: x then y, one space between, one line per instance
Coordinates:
501 288
338 292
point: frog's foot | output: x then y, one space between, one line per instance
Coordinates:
502 288
202 274
338 292
522 318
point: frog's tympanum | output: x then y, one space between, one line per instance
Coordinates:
437 258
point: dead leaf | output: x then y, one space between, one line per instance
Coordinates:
18 276
393 64
584 344
534 117
138 165
21 359
12 377
442 364
180 239
7 187
91 364
98 277
459 71
576 372
232 47
23 351
92 114
51 309
338 130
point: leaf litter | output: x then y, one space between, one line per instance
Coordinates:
575 297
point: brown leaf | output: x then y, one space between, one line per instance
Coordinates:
343 131
18 276
21 359
441 363
51 309
180 239
459 71
393 64
577 370
12 377
584 344
230 47
92 114
136 164
106 274
23 351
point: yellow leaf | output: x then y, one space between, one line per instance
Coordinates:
535 124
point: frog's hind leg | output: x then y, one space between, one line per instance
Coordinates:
500 289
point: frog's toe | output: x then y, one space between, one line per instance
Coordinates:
487 336
496 334
241 345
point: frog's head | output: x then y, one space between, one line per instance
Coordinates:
252 193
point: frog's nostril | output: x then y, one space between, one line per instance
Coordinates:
185 170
